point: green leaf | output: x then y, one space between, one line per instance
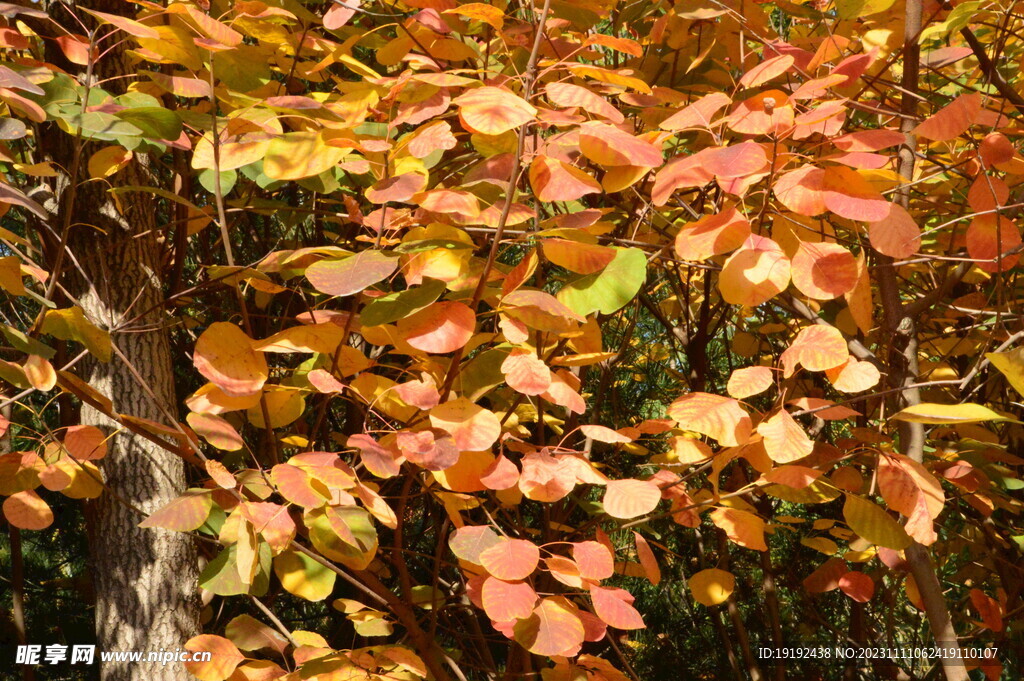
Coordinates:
221 574
870 521
938 414
22 342
611 288
395 306
155 122
98 125
227 181
343 533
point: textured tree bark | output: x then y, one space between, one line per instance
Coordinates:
145 579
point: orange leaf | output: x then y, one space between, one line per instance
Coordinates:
749 381
594 559
742 527
225 356
473 427
988 608
554 629
569 95
817 348
858 586
802 190
896 235
755 274
224 657
846 193
823 270
554 180
183 514
718 417
85 443
952 120
28 511
448 201
439 328
492 110
698 114
854 376
996 149
433 451
215 430
614 610
578 257
399 188
766 70
712 235
504 601
784 438
510 559
629 498
647 559
502 474
378 460
737 160
526 373
990 235
609 146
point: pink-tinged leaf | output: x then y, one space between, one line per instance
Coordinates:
449 202
421 394
473 427
764 113
607 145
858 586
784 438
435 451
545 477
27 510
219 32
379 460
712 235
767 70
718 417
578 257
569 95
502 474
526 373
183 514
989 236
742 527
219 473
324 381
470 541
272 521
337 15
510 559
823 270
802 190
988 608
681 172
180 86
564 391
629 498
296 485
215 430
698 114
897 234
594 559
987 193
492 110
129 26
505 601
755 274
554 180
952 120
225 356
615 611
398 189
737 160
436 136
847 194
604 434
749 381
554 629
647 559
352 275
85 443
439 328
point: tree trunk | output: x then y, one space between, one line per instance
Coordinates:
145 579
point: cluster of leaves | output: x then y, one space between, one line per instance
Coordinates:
490 189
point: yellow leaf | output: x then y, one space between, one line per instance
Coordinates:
712 586
1011 364
871 522
10 275
931 413
303 576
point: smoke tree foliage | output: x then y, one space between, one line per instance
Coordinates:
423 256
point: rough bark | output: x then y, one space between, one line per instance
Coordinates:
145 579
